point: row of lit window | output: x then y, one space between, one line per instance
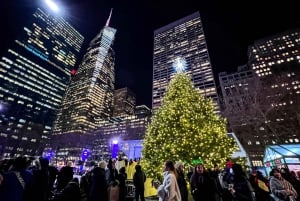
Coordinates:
284 55
281 104
296 140
257 163
51 77
17 137
44 86
28 87
65 29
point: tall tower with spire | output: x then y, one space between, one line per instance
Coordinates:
90 94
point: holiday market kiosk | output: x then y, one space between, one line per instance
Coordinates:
282 156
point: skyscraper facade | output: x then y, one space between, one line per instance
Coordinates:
182 44
124 102
122 128
234 85
34 74
262 103
90 94
276 61
238 88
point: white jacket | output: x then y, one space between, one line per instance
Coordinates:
169 190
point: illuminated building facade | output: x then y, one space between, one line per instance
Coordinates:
276 61
111 132
236 88
267 55
34 74
121 128
234 85
90 94
265 102
124 102
184 41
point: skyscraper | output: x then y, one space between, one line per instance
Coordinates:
262 102
90 94
182 44
124 102
34 74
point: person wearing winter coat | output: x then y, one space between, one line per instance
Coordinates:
98 185
139 179
241 189
181 181
65 175
281 188
17 182
169 190
203 187
122 176
72 191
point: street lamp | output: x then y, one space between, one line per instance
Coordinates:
114 148
52 5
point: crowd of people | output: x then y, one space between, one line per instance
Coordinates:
229 184
28 179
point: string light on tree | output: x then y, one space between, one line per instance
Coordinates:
185 128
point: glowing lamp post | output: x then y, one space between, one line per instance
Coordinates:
114 148
49 155
52 5
85 154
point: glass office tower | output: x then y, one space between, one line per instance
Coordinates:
34 74
90 94
184 41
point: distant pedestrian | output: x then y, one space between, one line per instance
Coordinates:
139 179
122 183
97 183
65 175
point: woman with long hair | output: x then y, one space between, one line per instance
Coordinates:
203 186
169 190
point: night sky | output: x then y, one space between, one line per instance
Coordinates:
230 27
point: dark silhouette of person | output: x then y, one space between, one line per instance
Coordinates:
98 185
72 191
122 176
139 179
64 176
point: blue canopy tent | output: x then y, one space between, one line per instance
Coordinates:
282 156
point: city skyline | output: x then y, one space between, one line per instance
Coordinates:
229 30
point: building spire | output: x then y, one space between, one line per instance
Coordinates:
107 22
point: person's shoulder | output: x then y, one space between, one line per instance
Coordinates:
171 176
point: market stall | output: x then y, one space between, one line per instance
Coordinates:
282 156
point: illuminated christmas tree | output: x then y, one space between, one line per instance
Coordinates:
185 128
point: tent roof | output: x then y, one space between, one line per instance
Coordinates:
273 152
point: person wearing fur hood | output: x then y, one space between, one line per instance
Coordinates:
169 190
